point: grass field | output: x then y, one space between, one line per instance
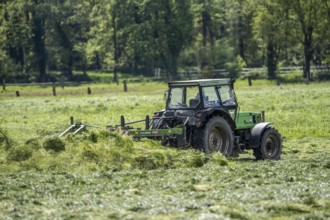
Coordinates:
97 177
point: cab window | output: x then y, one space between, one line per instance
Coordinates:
184 97
210 97
226 95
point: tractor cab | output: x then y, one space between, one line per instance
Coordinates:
201 94
194 95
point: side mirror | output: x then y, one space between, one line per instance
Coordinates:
165 95
232 83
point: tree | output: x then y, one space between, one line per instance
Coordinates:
24 24
270 25
39 37
99 47
108 34
223 37
38 11
15 36
239 28
154 34
178 32
308 16
209 27
67 35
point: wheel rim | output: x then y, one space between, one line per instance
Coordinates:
217 140
271 146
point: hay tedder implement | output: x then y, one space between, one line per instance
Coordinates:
203 114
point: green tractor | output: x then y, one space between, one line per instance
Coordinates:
203 114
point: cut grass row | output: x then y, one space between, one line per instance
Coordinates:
295 187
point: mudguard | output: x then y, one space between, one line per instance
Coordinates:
218 111
256 133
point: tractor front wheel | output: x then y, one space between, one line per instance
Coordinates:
270 145
216 135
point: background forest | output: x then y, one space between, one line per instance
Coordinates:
43 39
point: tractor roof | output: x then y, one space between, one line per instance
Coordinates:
201 82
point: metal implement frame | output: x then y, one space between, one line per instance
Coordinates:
76 127
136 133
156 132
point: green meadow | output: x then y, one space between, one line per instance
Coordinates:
103 175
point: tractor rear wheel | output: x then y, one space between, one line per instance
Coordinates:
216 135
270 145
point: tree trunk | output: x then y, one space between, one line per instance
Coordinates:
171 67
205 25
271 61
241 43
170 63
308 55
39 47
115 76
67 54
97 60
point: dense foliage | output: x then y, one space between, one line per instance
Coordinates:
39 37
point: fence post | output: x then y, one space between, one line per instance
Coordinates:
125 86
54 89
147 122
122 121
89 91
263 116
278 83
3 84
71 120
250 81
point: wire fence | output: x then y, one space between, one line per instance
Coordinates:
193 73
218 73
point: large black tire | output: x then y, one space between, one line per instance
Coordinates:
216 135
270 145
